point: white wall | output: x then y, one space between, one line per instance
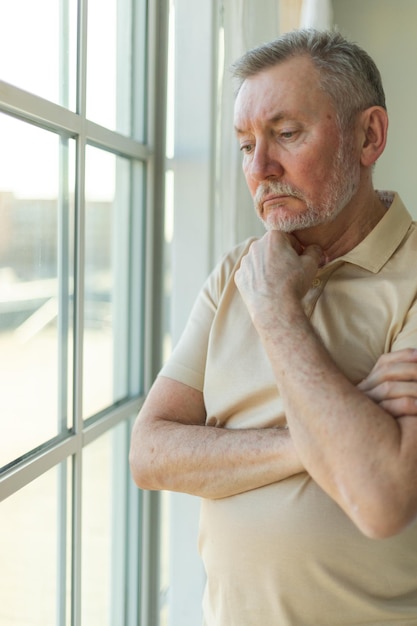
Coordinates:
387 29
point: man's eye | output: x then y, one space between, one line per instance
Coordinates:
246 148
287 134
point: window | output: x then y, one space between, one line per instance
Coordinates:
82 121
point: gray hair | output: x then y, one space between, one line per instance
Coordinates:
347 73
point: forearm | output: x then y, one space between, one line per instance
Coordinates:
348 444
210 462
354 449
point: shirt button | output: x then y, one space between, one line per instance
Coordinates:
316 282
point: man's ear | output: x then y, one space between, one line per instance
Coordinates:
374 129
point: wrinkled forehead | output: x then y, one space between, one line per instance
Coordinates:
289 88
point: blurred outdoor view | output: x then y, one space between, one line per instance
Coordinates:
65 265
36 290
37 228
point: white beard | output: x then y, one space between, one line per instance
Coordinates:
342 184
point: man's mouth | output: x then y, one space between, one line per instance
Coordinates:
274 195
274 199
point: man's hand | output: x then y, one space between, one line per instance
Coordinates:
276 270
358 444
392 383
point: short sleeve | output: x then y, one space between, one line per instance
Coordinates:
187 363
407 337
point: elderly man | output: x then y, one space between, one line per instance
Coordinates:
289 403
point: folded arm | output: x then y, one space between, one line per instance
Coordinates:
359 453
173 449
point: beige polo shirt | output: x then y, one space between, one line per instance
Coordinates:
285 554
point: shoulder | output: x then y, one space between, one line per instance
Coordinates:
230 262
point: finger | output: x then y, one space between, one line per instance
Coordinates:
311 258
406 354
391 390
298 247
389 370
385 361
400 407
314 252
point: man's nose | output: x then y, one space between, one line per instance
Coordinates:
265 163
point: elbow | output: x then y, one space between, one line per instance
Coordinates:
379 529
146 467
379 510
141 468
385 521
137 471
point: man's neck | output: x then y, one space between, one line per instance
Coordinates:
349 228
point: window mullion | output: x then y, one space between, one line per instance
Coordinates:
79 312
76 539
64 274
64 286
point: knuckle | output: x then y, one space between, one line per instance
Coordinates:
409 406
386 388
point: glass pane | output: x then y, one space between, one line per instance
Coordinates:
114 64
103 529
35 286
34 555
38 47
106 314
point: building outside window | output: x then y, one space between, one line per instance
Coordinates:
82 118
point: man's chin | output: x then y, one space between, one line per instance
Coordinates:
294 222
284 225
287 221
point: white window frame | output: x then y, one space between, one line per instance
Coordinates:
136 580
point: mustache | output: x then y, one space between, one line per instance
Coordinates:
275 188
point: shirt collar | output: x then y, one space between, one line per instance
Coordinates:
379 245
